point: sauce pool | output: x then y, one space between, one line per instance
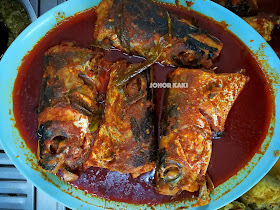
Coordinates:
245 128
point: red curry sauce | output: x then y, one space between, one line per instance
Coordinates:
245 127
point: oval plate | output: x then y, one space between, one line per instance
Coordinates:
25 161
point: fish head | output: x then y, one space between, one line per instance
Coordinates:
64 138
169 174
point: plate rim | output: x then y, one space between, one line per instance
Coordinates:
49 17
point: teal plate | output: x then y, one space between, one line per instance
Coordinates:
25 161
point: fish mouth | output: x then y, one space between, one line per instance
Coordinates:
60 145
52 145
168 176
171 174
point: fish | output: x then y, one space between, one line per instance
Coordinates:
126 140
69 112
190 116
136 27
242 8
264 23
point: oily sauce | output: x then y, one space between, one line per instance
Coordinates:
245 128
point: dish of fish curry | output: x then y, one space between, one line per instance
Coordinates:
89 102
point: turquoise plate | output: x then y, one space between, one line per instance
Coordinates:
25 161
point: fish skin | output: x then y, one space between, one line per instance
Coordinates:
190 115
136 26
125 142
68 105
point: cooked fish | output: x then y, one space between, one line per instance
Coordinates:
190 115
69 112
235 205
243 8
265 195
136 27
263 24
125 142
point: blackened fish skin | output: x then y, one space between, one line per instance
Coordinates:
68 106
136 26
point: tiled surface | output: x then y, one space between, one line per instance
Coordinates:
18 193
15 191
